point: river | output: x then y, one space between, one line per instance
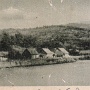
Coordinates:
69 74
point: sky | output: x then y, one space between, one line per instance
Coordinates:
37 13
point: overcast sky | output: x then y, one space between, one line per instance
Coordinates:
33 13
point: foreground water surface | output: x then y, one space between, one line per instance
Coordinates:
69 74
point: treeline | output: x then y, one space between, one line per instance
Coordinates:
72 39
26 41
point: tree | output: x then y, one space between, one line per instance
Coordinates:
5 42
19 39
29 41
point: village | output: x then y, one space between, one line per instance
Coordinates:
34 56
45 43
19 56
43 47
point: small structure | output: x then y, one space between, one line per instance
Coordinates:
65 53
3 56
30 53
42 53
84 52
26 54
34 53
49 54
57 52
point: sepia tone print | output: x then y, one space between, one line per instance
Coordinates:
45 43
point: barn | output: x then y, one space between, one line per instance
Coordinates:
30 53
34 53
26 54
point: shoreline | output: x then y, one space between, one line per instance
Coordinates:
30 64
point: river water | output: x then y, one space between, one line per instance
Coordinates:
69 74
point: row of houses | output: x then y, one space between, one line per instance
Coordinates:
34 53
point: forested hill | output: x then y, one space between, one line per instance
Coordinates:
47 36
37 30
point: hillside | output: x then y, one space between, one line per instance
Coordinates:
69 37
57 29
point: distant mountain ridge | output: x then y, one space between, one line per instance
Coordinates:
52 28
80 25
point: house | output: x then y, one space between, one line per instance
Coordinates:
57 52
30 53
42 53
84 52
34 53
65 52
26 54
74 52
3 55
49 54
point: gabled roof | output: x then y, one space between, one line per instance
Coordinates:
63 50
41 51
48 51
33 51
56 51
3 53
85 51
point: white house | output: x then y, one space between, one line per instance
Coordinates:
57 52
34 53
65 52
49 54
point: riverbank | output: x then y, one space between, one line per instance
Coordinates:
35 62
